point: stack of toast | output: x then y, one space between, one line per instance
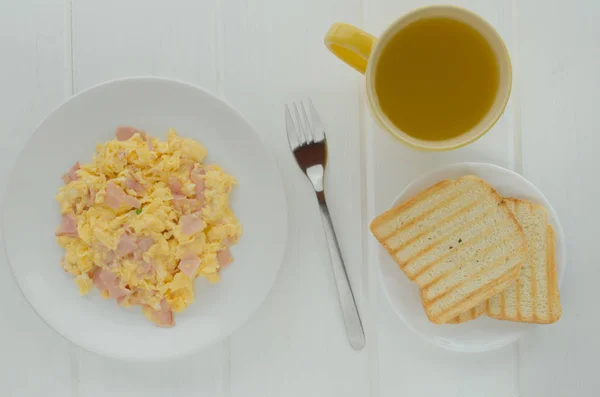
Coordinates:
472 252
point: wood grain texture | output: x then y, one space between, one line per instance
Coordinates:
392 166
559 80
198 375
259 55
33 359
114 39
273 54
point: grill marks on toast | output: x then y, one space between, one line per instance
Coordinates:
421 221
533 285
451 228
479 277
430 224
457 237
438 236
389 222
534 297
550 274
468 270
443 310
470 255
427 275
471 252
554 297
468 315
517 298
425 259
540 258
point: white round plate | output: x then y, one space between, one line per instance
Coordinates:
69 134
484 333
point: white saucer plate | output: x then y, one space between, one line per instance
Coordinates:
482 334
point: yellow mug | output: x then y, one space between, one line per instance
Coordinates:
362 51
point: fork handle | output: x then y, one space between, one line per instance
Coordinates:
354 328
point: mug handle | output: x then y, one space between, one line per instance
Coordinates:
350 44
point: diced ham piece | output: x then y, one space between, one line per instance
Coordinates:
196 177
145 268
124 133
105 280
200 197
144 243
146 138
97 281
115 196
71 175
133 184
191 224
224 257
131 244
162 317
68 226
108 255
127 244
189 264
135 299
180 202
197 169
132 201
175 185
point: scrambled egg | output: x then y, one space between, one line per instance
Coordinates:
144 219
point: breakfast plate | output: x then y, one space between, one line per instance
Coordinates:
71 133
483 333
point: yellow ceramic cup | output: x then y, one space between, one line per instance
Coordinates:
361 51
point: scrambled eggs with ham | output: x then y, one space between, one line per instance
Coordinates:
144 219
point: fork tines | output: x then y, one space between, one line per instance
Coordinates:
303 131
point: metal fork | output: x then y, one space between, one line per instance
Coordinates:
309 145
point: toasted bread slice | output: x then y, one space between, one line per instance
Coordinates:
469 315
534 298
458 241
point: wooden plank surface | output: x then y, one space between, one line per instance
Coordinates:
33 37
274 54
259 55
559 59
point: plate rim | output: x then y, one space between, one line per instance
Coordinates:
512 337
271 158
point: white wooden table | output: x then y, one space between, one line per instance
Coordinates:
258 55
